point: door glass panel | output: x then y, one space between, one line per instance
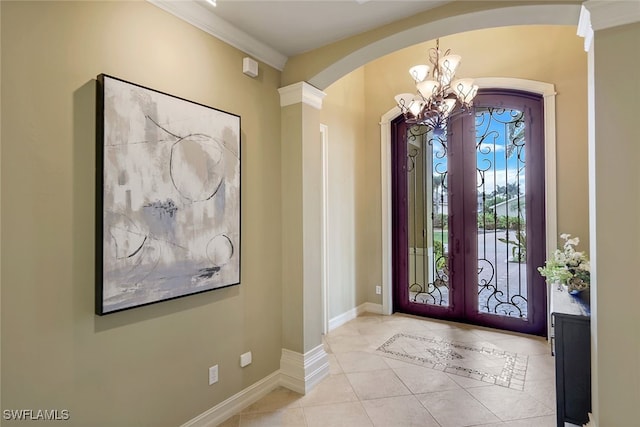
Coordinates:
501 216
428 214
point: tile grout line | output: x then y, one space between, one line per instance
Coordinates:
445 334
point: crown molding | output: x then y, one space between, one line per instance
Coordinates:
585 29
609 13
200 16
301 92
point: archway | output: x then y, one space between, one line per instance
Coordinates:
360 50
323 71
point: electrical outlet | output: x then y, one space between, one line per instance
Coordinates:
378 290
213 374
245 359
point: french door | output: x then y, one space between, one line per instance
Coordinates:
468 215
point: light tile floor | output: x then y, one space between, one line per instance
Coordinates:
365 388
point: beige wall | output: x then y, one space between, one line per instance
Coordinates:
615 317
146 366
343 112
551 54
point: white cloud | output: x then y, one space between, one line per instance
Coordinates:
500 178
485 147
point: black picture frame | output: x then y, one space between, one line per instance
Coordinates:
167 196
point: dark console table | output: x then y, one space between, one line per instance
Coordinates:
571 346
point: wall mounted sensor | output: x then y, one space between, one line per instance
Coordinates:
250 67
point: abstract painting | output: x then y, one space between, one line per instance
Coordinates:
167 197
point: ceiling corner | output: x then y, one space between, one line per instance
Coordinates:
198 14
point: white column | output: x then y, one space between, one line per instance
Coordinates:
304 362
611 33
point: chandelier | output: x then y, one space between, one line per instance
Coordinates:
437 93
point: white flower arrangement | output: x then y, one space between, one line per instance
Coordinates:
568 266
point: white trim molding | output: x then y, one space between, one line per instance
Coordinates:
371 307
345 317
610 13
547 90
297 372
201 16
385 185
599 14
236 403
324 139
585 29
301 372
301 92
341 319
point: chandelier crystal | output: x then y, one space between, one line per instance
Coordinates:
438 92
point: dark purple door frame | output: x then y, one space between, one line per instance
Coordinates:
463 256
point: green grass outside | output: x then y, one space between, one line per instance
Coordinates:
440 235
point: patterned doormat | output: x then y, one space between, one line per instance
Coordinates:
490 365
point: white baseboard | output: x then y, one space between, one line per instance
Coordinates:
370 307
236 403
301 372
298 372
341 319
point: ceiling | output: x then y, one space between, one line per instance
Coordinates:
273 30
293 27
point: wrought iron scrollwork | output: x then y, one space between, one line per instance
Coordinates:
430 272
500 147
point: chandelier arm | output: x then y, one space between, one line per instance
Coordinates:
438 98
434 56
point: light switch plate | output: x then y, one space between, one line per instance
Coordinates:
245 359
213 374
